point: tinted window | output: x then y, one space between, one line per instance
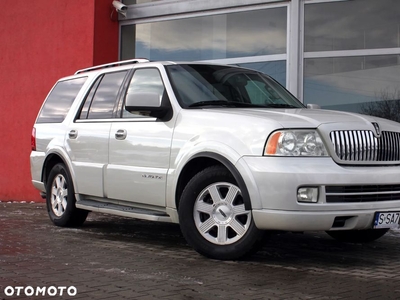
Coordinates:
363 84
261 94
241 34
105 96
85 108
60 100
144 81
275 69
348 25
213 85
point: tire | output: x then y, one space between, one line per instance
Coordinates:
213 219
358 236
60 199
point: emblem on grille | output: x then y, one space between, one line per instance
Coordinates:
377 129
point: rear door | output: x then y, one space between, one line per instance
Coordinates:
88 136
140 148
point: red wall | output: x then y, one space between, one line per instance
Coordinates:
41 41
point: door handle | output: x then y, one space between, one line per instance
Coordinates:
73 134
120 134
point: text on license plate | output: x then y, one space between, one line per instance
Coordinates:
387 220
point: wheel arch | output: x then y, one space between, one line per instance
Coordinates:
50 161
203 160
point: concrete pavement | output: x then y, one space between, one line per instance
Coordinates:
119 258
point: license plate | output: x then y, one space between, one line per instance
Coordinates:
387 220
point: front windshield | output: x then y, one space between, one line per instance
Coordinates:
198 85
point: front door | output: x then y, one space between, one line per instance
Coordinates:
139 148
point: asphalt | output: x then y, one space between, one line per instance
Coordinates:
118 258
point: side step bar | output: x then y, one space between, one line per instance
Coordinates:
124 211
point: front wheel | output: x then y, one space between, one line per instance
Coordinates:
357 236
213 218
60 199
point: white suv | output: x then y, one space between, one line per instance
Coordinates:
226 152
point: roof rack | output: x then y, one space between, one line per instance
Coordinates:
114 64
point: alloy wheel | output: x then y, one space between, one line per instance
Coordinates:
220 215
59 194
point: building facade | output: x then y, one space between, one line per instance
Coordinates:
340 54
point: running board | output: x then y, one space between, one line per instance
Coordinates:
123 211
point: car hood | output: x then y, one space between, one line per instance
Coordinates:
247 129
309 118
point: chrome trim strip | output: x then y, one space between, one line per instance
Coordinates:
362 193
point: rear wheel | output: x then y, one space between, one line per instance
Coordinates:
213 217
358 236
60 199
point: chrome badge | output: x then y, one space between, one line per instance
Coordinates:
377 129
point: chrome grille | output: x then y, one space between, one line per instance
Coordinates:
362 145
362 193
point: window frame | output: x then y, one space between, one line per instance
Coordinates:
334 53
155 12
294 56
69 107
96 83
121 101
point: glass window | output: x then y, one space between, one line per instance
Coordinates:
104 99
88 100
349 25
128 38
260 94
59 101
355 84
144 81
241 34
275 69
199 85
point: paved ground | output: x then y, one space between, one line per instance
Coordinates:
118 258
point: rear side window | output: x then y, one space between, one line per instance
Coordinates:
102 97
59 101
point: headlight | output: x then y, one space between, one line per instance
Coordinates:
295 143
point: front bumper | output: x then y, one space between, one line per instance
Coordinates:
273 183
313 221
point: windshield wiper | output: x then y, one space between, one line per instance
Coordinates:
224 103
276 105
211 103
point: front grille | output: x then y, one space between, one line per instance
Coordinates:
362 145
362 193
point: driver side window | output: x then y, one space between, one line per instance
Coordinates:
144 81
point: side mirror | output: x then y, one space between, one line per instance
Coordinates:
313 106
147 103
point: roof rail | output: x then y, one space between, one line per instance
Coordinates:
114 64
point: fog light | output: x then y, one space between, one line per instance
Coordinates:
307 194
